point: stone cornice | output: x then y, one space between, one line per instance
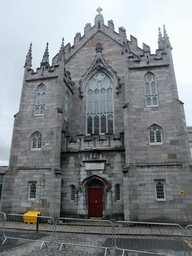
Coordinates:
40 78
143 165
148 66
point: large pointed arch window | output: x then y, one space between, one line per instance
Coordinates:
100 116
151 95
40 100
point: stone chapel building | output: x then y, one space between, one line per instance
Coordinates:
101 132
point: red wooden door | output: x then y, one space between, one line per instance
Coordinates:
95 202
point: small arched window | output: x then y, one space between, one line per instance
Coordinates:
40 100
117 192
32 189
36 140
155 134
151 96
73 189
160 189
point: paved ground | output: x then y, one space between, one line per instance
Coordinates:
133 237
23 248
33 249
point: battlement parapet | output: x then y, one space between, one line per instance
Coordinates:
43 72
89 31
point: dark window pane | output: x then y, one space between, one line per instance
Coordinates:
110 123
96 124
158 136
160 190
89 125
103 124
152 136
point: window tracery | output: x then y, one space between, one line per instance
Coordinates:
151 96
36 140
155 134
99 111
40 100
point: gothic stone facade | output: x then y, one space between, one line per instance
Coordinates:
101 132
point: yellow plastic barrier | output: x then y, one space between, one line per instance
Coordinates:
30 220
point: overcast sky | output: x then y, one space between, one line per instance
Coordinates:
41 21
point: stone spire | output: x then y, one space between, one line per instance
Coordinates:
160 40
167 44
45 60
28 61
99 21
62 52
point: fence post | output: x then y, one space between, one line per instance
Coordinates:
37 227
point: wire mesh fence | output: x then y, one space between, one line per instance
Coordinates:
84 232
149 238
27 227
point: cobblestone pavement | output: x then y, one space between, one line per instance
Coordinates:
30 248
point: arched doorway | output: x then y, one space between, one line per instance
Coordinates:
95 198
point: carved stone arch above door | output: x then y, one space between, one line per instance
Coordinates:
91 179
95 188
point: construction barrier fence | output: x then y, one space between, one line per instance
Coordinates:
149 238
188 240
126 237
84 232
39 228
2 224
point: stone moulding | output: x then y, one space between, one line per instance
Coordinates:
40 78
141 165
99 64
148 66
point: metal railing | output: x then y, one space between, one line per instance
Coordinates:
84 232
139 238
188 240
2 225
149 238
26 227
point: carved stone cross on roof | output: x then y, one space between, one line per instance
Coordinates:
99 10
